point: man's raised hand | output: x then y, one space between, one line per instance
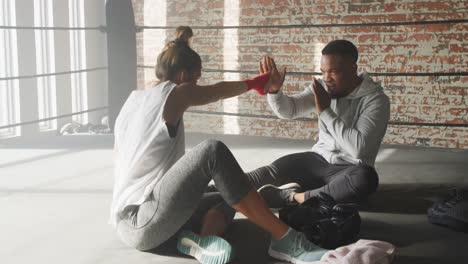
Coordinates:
322 98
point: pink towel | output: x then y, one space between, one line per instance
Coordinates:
361 252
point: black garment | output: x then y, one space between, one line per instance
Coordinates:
345 183
323 221
451 212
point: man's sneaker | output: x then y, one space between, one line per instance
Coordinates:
451 212
207 250
279 197
295 248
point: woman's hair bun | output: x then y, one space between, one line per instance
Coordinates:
183 33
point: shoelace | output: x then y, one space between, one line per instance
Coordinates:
462 194
458 196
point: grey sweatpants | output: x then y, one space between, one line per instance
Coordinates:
179 200
345 183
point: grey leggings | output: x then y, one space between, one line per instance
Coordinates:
179 200
345 183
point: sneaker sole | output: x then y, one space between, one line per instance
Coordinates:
282 187
284 257
276 204
207 250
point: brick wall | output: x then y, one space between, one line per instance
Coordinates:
422 65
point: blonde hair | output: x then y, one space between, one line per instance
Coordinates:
177 56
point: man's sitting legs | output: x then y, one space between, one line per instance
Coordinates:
345 183
348 183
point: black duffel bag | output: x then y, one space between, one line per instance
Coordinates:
323 221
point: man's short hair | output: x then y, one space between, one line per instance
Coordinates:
343 48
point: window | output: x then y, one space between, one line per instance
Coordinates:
45 63
9 89
78 60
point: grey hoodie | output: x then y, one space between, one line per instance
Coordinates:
351 129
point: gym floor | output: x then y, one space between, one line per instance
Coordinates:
55 196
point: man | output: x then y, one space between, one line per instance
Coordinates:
353 112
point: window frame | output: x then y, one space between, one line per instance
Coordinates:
9 89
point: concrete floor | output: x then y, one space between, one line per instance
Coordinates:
55 196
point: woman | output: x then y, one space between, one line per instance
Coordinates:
159 190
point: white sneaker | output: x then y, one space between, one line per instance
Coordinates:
295 248
207 250
279 197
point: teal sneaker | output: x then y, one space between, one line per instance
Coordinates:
207 250
279 197
295 248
